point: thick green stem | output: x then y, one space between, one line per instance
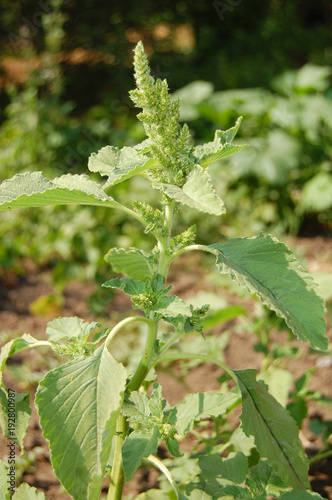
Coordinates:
146 361
117 475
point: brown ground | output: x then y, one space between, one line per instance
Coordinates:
17 294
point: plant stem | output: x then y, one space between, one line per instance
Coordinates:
123 323
320 456
159 465
203 357
145 363
117 475
191 248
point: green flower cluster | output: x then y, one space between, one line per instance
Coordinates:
160 117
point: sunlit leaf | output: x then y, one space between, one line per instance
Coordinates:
268 268
197 406
26 492
78 404
198 192
15 427
70 328
119 164
133 262
33 189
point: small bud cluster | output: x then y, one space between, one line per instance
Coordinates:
160 116
153 216
186 238
74 349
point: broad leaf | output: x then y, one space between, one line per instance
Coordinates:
219 471
134 262
26 492
78 404
138 445
69 328
119 164
15 428
33 189
197 406
267 267
274 430
197 192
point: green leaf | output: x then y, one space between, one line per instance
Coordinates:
235 492
172 306
220 471
173 446
264 480
133 262
136 408
128 285
222 315
4 492
279 382
274 430
78 404
138 445
15 427
157 403
220 147
33 189
197 406
300 495
119 164
26 492
70 328
197 192
267 267
227 136
15 346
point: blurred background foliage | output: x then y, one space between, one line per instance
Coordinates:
65 73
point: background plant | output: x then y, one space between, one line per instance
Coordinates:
285 180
